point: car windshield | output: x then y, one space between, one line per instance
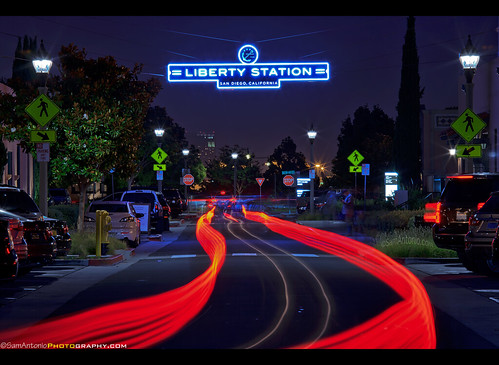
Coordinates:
139 197
17 201
111 208
469 191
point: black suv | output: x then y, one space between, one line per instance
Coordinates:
461 198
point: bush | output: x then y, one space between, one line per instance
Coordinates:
67 213
411 242
84 244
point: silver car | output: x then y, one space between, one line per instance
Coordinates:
125 222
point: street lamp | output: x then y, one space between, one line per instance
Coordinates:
42 66
159 132
185 152
469 59
311 136
234 157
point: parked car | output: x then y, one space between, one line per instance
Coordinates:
159 213
460 199
16 229
175 201
40 243
59 196
482 231
125 222
9 263
17 201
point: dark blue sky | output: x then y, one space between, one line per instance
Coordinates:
364 53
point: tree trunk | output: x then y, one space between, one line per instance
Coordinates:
83 185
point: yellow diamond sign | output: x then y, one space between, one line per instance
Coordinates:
42 109
468 125
355 158
159 155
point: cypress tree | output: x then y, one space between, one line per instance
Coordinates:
407 136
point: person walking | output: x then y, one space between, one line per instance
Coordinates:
348 209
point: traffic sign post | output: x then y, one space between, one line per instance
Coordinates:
469 150
159 155
260 181
468 125
41 136
355 158
288 180
188 179
42 110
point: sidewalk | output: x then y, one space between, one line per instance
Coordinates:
40 303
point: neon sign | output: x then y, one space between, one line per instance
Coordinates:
248 74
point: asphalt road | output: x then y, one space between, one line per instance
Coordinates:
271 292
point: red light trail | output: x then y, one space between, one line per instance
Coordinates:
408 324
138 323
144 322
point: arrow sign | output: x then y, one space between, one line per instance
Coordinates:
469 150
159 167
40 136
355 169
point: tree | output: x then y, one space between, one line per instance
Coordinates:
99 126
285 158
407 137
371 133
220 171
172 142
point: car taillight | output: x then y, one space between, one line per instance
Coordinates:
479 205
432 213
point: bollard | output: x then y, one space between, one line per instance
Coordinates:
102 228
105 228
98 232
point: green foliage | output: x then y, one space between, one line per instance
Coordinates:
412 242
371 133
67 213
84 244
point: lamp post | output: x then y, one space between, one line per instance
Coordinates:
159 133
234 157
469 59
42 66
185 152
311 136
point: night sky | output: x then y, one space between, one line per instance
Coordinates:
365 56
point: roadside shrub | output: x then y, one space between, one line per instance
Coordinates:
67 213
411 242
84 244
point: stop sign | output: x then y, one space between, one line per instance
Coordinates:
288 180
188 179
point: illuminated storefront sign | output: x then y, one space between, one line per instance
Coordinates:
248 74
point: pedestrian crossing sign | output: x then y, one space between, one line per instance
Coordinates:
468 125
355 158
159 155
42 110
